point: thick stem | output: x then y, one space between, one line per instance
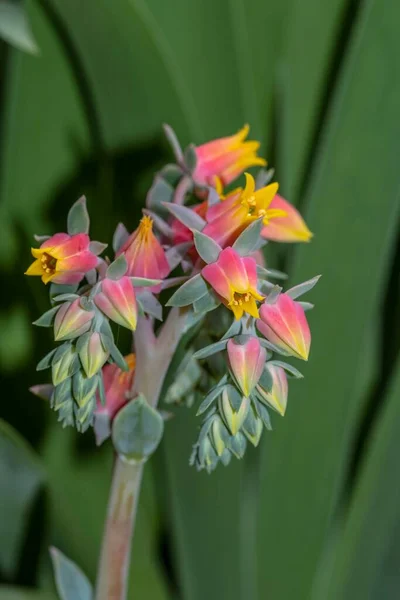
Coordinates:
112 577
153 357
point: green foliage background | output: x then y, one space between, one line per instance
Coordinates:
314 514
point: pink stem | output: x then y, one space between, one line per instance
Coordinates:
112 578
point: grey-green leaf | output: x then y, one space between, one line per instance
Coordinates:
118 268
71 582
186 216
46 320
189 292
137 429
211 349
78 218
248 241
302 288
15 27
207 248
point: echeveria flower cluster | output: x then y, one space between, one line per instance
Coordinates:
227 318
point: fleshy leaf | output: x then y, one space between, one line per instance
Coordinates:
207 248
186 216
160 193
249 240
78 217
46 320
190 158
289 368
137 429
302 288
211 349
174 142
15 27
189 292
118 268
120 236
150 304
71 582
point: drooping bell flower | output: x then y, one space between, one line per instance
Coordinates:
92 354
227 219
71 321
284 324
63 259
287 228
117 300
246 359
144 254
234 279
116 385
277 395
226 158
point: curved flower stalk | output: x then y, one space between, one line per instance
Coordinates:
229 322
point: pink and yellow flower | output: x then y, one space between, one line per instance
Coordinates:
227 219
286 228
277 395
247 362
63 258
144 254
284 324
117 384
226 158
117 301
71 321
234 279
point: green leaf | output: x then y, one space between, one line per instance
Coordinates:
160 192
23 593
206 247
289 368
15 27
78 218
374 510
72 583
137 429
189 292
21 476
357 117
249 239
118 268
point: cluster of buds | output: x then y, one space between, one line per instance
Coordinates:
208 241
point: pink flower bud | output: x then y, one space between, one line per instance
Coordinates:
118 302
285 325
288 228
116 385
234 278
247 361
71 321
276 396
144 254
226 158
63 259
92 353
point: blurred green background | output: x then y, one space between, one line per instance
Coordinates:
314 513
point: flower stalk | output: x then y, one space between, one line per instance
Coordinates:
112 578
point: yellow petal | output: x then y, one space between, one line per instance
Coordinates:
251 307
35 268
46 277
250 184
